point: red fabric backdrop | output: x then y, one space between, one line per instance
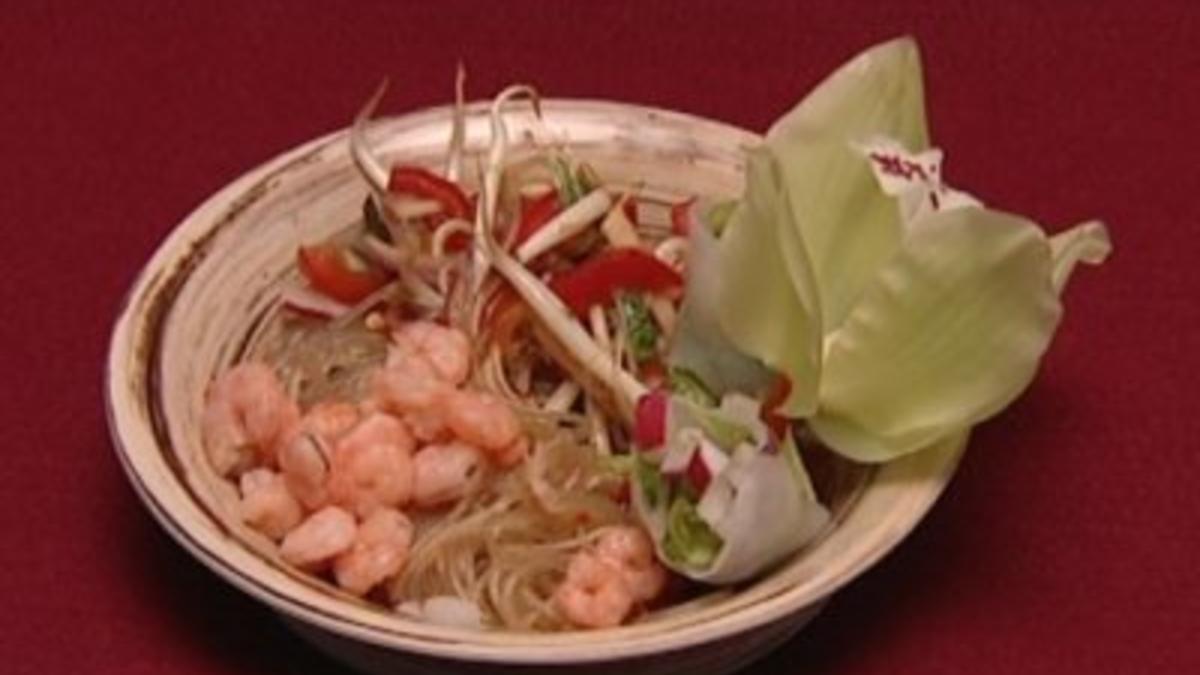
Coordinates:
1068 543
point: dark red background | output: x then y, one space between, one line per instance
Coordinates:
1068 543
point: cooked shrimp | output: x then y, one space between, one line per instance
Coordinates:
484 421
448 350
408 384
266 504
304 463
372 466
594 594
330 419
443 473
379 551
305 459
316 541
247 417
632 551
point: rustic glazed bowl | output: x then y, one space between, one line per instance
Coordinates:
211 287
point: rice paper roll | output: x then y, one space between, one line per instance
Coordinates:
757 505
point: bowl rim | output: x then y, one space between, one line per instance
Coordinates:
126 429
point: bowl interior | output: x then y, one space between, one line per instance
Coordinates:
212 287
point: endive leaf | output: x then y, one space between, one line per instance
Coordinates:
699 344
948 334
1087 243
766 299
850 228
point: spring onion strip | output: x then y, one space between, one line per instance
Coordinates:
664 313
570 222
559 321
600 437
458 128
445 231
616 226
485 215
368 165
563 397
403 209
599 326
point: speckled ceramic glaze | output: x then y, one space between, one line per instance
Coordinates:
198 301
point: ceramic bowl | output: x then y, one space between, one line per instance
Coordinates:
212 286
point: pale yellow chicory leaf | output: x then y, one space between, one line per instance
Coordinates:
1087 243
848 225
950 331
766 300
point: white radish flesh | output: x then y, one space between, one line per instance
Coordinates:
573 220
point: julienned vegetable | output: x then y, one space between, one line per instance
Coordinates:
339 273
597 280
423 183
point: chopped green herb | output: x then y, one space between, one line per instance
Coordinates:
641 333
570 189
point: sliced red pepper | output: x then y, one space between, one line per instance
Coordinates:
423 183
535 213
330 270
598 279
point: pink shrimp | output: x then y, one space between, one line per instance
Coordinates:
379 551
319 539
266 504
486 422
330 419
305 459
443 473
633 553
247 417
410 389
372 466
447 350
594 594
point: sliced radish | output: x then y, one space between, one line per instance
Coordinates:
681 450
650 419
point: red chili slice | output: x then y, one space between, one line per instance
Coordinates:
331 270
421 182
598 279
